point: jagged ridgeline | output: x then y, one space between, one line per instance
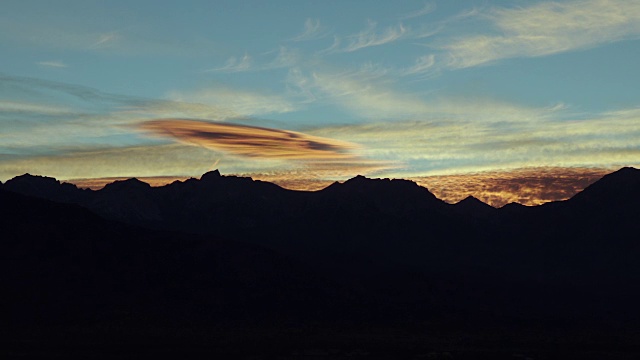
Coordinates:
225 251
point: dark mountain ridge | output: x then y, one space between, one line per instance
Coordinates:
231 250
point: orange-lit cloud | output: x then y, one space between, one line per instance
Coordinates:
528 186
252 141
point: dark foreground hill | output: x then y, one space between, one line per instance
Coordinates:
218 262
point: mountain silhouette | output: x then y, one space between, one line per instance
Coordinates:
232 252
474 207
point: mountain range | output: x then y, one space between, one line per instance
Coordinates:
222 253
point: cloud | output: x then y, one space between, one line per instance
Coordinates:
369 94
370 37
251 141
364 92
335 46
312 31
60 117
112 161
53 64
33 108
527 186
105 40
423 65
115 33
234 65
546 28
497 136
241 103
284 57
428 8
365 97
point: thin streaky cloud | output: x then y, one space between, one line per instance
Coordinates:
33 108
370 37
426 32
52 64
105 40
428 8
423 65
335 46
545 29
234 64
481 138
235 102
285 58
312 31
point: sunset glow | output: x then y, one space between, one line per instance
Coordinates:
527 103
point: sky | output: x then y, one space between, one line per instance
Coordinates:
307 92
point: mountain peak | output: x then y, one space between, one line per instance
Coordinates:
132 184
472 201
33 179
41 186
33 183
618 187
625 171
361 180
211 175
473 206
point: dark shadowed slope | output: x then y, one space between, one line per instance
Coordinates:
368 251
65 266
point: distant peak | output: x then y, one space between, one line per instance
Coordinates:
33 180
513 205
358 179
132 183
211 175
471 200
627 170
617 187
617 178
364 179
27 176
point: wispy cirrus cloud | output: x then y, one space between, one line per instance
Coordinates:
282 57
424 65
544 29
312 31
371 37
52 64
369 94
234 64
33 108
365 98
231 101
428 8
105 40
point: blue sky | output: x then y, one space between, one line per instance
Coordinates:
316 89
